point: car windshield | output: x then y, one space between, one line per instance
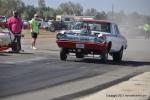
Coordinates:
92 26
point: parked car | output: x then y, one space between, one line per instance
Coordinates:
26 24
41 23
3 22
91 36
55 25
5 40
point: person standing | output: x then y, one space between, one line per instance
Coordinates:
34 30
15 25
147 30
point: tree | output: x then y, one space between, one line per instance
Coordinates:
90 12
94 12
101 15
70 8
29 12
42 7
78 10
48 13
7 6
41 4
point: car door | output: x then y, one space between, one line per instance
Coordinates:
119 38
115 38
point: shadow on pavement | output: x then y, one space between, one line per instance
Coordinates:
110 62
4 54
131 63
8 53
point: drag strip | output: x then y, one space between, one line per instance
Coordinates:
22 76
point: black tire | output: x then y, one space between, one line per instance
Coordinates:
3 27
63 54
118 55
104 57
79 55
52 29
47 29
15 47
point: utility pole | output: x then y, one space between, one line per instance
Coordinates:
112 12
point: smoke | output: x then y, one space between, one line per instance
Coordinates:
131 24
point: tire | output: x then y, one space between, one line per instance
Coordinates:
118 55
3 27
15 47
63 54
79 55
47 29
104 57
52 29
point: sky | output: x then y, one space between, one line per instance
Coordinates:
140 6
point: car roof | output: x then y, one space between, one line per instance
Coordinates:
96 20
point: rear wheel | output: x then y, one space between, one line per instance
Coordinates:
63 54
118 55
104 57
3 26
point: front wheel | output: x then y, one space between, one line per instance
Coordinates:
47 29
52 28
63 54
118 55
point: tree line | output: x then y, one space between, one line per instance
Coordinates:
68 8
27 11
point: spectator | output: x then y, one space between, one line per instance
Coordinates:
15 25
34 30
147 30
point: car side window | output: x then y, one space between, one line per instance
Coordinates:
77 26
116 30
113 31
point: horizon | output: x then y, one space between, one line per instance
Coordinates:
140 6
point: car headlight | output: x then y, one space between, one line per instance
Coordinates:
100 39
61 36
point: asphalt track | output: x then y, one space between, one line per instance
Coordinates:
33 70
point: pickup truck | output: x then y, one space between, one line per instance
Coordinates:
91 36
55 25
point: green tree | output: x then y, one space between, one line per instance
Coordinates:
42 7
7 6
70 8
48 13
29 12
94 12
